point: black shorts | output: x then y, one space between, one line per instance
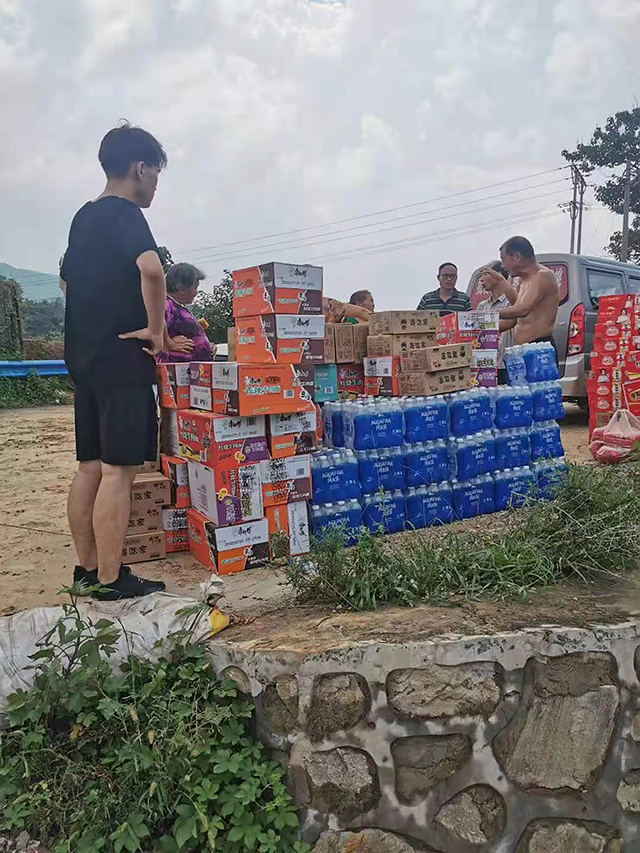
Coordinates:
118 426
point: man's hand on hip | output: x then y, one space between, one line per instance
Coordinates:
155 339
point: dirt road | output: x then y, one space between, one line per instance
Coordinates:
36 553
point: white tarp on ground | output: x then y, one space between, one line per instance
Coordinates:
142 623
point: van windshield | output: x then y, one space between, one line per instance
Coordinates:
603 284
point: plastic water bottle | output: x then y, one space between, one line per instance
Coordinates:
318 483
475 497
334 476
470 412
512 407
463 459
414 513
327 423
384 512
387 423
426 463
425 418
540 361
513 486
486 452
546 441
337 425
437 504
346 515
515 366
547 401
380 469
550 475
513 448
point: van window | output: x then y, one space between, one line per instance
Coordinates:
603 284
634 284
562 274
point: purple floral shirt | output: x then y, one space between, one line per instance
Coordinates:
180 321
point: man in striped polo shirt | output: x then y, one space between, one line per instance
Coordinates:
446 298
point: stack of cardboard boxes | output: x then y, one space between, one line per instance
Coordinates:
145 538
614 381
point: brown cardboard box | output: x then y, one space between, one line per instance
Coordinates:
404 322
145 519
329 344
436 358
231 342
144 546
360 336
379 346
149 490
428 384
343 335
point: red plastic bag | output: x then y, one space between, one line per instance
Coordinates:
618 440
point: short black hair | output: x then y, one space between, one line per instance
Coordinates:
357 297
124 145
497 266
520 246
182 276
446 264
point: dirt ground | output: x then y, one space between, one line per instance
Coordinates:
37 557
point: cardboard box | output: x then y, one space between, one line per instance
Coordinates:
231 343
360 335
293 434
220 441
292 423
176 541
289 525
380 346
285 480
175 469
479 328
252 390
484 368
343 336
329 344
428 384
173 385
404 322
436 358
226 497
350 380
381 376
149 490
145 519
448 331
169 443
281 338
144 546
277 289
226 550
325 383
174 519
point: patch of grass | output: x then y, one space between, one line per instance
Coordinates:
34 390
589 531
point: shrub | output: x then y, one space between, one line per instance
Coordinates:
156 756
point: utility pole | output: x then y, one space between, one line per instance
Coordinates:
581 189
573 208
624 253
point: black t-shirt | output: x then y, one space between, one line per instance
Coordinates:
104 296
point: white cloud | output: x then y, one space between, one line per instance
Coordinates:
626 11
450 85
570 64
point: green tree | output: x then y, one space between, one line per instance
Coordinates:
610 148
216 309
43 318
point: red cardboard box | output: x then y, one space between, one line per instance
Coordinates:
176 541
285 480
175 469
226 550
281 338
350 380
290 522
257 389
381 376
226 497
173 385
220 441
277 289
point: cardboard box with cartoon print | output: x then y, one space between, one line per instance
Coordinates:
220 441
226 497
226 550
286 480
277 289
257 389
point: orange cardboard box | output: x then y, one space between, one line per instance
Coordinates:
281 338
226 550
290 522
293 434
285 480
220 441
176 540
173 385
277 289
257 389
175 469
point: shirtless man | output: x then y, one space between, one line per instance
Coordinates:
533 316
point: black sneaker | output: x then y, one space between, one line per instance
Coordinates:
85 579
127 585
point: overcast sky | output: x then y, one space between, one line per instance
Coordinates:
280 115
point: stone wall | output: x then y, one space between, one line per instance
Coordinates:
527 742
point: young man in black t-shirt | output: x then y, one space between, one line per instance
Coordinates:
114 284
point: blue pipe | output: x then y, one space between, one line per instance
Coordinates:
24 368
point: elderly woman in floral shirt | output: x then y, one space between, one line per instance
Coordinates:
188 341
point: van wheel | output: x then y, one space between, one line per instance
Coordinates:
583 403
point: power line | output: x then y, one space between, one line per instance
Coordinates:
369 215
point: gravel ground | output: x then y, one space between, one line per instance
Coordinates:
21 844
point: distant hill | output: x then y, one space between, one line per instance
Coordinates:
35 285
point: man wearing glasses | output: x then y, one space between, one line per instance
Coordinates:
446 298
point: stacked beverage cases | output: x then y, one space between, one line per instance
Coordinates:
412 462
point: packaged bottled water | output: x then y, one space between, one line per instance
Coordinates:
512 406
413 502
374 423
426 463
327 423
513 448
334 476
425 418
346 515
550 474
428 505
513 486
540 361
470 412
547 401
474 497
546 442
380 469
463 458
515 366
384 512
486 452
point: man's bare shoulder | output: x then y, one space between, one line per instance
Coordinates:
546 278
